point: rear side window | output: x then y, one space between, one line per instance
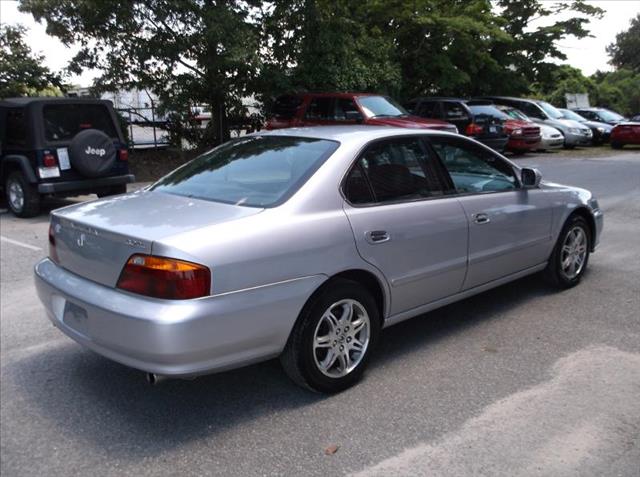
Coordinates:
285 107
257 171
395 170
16 128
63 121
320 108
455 111
474 170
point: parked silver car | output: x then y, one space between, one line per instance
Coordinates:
551 138
304 244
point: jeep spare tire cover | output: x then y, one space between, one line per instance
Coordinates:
92 153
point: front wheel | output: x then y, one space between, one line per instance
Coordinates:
332 341
570 256
23 198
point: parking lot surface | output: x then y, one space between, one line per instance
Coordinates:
522 380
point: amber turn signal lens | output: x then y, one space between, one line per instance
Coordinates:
162 277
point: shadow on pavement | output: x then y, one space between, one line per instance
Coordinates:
112 407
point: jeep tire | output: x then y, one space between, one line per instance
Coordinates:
22 198
92 153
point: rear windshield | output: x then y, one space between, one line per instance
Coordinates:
488 111
63 121
257 171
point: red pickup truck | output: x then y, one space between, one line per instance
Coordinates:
324 109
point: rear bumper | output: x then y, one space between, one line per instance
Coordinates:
84 184
497 144
173 338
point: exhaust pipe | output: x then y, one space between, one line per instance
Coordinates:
153 379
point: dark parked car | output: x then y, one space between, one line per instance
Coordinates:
625 133
478 120
602 115
60 147
601 131
330 109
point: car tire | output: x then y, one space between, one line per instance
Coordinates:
23 198
616 145
570 256
113 190
321 353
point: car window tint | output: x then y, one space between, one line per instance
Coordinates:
400 169
455 111
531 110
473 170
320 108
16 129
345 109
429 109
356 187
286 106
257 171
63 121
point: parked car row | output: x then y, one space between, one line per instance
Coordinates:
503 123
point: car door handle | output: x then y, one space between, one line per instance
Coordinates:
481 219
377 236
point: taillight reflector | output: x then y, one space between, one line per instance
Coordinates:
167 278
474 129
49 160
123 155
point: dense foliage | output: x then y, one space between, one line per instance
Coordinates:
21 70
210 52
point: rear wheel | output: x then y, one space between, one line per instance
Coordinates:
23 198
332 341
570 256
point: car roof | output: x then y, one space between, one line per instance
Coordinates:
344 133
325 94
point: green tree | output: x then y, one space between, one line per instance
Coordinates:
625 51
188 52
618 90
21 70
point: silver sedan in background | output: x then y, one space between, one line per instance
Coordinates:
303 244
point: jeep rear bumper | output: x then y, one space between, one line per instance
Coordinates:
88 185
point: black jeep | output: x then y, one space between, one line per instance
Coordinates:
61 147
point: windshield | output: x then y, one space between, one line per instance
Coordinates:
552 112
610 115
257 171
488 111
568 114
381 106
515 113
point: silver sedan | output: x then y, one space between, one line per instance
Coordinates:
303 244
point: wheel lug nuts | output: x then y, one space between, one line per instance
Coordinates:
341 348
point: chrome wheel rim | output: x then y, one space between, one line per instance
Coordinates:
16 195
341 338
574 252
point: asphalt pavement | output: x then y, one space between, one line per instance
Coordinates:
521 380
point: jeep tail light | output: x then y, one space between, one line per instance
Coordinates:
53 253
473 129
123 154
167 278
49 160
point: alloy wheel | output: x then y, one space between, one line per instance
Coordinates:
573 252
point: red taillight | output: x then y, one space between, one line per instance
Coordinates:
123 155
53 253
49 160
474 129
162 277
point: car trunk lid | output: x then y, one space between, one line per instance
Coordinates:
95 239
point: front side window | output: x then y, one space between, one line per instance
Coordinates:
346 110
257 171
63 121
552 112
531 110
455 112
395 170
429 109
474 170
607 115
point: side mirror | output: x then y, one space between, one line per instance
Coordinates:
530 177
353 116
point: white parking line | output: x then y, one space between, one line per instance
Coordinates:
19 244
